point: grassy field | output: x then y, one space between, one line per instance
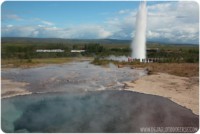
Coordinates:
177 59
179 69
26 48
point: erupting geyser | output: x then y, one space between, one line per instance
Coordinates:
139 43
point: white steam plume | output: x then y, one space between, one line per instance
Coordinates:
139 43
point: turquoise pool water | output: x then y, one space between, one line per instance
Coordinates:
92 111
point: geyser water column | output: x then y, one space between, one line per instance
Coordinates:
138 45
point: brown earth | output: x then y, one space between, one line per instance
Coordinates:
182 90
178 69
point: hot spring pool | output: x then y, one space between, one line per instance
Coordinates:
92 111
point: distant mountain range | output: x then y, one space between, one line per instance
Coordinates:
61 40
82 41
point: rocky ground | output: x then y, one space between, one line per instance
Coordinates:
10 88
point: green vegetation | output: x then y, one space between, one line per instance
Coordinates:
23 51
178 54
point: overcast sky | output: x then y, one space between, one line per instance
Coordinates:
176 22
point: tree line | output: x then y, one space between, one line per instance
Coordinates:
28 51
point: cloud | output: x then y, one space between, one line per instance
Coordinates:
17 31
172 22
82 32
176 22
124 11
11 17
121 27
41 22
47 22
9 25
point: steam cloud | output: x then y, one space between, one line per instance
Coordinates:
139 43
118 58
96 111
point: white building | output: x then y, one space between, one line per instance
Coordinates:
77 51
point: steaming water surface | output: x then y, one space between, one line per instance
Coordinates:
100 111
73 77
73 102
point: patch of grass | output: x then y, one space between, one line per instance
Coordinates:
178 69
100 62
